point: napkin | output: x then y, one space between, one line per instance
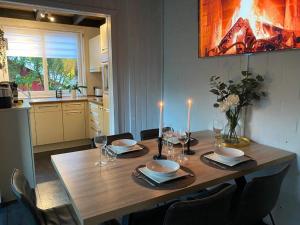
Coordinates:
162 179
214 157
131 149
172 140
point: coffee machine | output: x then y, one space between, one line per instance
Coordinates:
6 96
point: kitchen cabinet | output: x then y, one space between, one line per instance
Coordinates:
48 123
106 126
104 38
73 121
32 127
99 120
95 54
104 42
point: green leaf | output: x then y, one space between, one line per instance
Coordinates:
214 91
222 86
259 78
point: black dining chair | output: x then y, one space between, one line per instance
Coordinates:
26 195
112 138
211 210
258 199
151 133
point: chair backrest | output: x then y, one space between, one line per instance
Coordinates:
26 195
112 138
151 133
213 210
259 198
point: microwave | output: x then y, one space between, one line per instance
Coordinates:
105 76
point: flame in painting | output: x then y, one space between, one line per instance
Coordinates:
256 19
247 26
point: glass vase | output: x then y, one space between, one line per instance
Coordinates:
232 131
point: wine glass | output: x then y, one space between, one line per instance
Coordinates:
183 139
218 126
100 142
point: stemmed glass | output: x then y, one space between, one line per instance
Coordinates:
183 139
218 126
100 142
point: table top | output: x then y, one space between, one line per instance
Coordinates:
99 194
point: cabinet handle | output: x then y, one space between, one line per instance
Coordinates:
74 112
75 104
48 106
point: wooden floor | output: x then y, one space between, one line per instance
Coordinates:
50 192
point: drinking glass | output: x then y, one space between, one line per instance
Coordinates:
218 126
111 155
100 142
183 139
168 133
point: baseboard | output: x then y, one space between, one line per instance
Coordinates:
58 146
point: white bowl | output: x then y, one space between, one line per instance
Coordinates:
163 167
229 153
123 144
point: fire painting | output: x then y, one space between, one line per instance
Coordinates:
228 27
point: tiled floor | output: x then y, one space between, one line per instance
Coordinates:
50 191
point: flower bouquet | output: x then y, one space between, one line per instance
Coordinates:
232 97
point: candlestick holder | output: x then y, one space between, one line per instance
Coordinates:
188 151
159 155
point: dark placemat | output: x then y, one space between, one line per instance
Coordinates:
242 166
194 142
134 154
181 182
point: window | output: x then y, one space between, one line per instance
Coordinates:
40 60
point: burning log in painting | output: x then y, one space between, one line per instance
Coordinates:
254 26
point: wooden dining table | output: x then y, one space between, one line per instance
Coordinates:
99 194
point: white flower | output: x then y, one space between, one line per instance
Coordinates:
224 107
233 100
230 101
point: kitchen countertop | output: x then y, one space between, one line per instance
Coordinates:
97 100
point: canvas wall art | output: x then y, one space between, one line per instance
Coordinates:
228 27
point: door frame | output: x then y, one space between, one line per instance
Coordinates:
98 11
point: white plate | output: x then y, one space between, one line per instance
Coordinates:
229 154
163 179
163 167
119 151
123 144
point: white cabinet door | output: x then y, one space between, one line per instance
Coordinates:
32 128
49 127
94 53
104 38
106 129
74 125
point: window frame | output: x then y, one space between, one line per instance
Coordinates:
80 65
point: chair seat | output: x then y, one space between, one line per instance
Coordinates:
61 215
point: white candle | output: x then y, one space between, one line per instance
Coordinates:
161 104
189 115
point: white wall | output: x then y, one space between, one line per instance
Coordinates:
275 121
137 56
